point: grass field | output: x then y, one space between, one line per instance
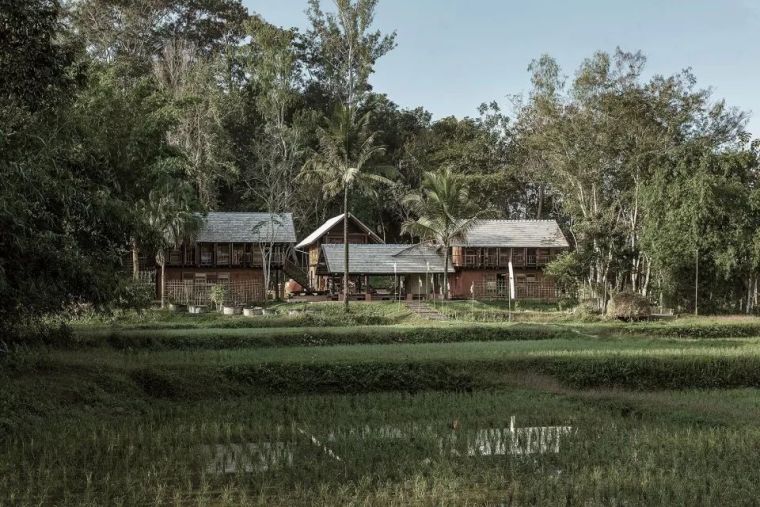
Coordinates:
176 411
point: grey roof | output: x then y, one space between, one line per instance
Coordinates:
262 227
379 259
515 233
329 224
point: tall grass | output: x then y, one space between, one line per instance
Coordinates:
156 457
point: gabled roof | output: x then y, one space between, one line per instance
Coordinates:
379 259
262 227
515 233
329 224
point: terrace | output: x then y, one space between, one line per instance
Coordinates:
243 255
495 257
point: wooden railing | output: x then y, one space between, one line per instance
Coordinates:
544 290
493 259
195 292
223 258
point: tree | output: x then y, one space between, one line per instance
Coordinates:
171 215
342 164
139 30
64 225
279 145
445 214
597 144
341 51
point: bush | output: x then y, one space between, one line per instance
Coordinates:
218 295
587 310
628 306
135 295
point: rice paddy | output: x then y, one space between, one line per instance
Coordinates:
602 416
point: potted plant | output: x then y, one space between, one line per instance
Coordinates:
218 295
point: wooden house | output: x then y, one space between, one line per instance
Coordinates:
482 259
229 249
330 233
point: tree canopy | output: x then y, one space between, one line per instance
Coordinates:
653 180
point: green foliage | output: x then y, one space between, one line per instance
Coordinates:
444 214
218 295
133 296
567 270
105 102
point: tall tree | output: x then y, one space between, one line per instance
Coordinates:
192 81
342 164
598 143
342 49
342 52
445 214
139 30
170 213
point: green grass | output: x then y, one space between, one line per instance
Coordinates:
118 413
282 315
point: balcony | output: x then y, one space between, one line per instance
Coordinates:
492 258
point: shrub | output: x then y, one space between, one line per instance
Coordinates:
587 310
218 295
133 295
628 306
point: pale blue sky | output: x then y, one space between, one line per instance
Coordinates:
454 54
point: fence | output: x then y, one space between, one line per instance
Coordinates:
148 277
540 291
199 293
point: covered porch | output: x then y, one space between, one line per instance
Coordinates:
384 272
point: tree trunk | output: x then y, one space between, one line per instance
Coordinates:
696 282
540 211
345 247
135 261
446 272
163 284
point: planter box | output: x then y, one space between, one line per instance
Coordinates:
197 309
253 312
230 310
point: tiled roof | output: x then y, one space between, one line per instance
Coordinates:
515 233
379 259
263 227
329 224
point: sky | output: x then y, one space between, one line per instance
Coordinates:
452 55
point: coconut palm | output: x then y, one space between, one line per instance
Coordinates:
445 214
343 162
170 215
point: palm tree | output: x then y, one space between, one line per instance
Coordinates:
169 214
444 213
343 163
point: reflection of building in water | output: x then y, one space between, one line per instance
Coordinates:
517 441
246 457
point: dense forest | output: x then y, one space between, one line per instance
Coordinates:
120 117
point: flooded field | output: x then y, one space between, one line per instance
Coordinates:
249 457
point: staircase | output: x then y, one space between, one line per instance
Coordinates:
425 311
297 273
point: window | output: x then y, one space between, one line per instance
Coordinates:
175 257
223 254
238 254
207 254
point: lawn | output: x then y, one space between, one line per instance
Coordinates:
395 413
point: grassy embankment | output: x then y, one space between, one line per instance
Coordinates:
662 413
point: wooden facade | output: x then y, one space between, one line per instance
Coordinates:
484 272
229 250
332 233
